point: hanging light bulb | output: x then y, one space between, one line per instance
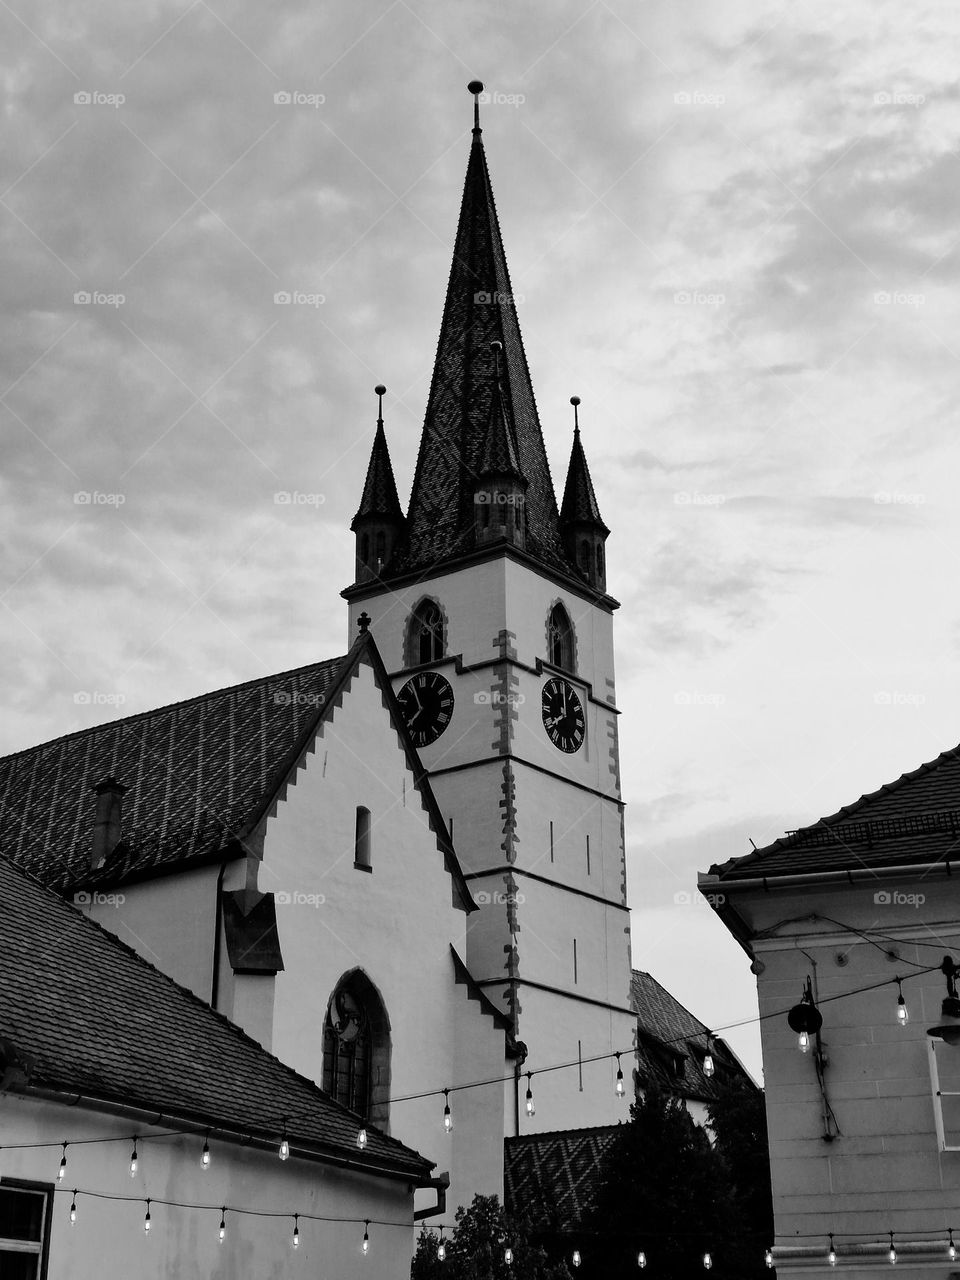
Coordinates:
531 1109
134 1160
365 1246
284 1152
641 1259
804 1041
223 1225
362 1139
447 1117
205 1154
892 1255
707 1262
576 1258
805 1018
620 1089
508 1256
768 1257
73 1206
63 1164
296 1231
146 1220
441 1247
951 1247
832 1253
708 1064
903 1017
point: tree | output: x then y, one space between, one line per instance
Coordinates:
475 1249
738 1120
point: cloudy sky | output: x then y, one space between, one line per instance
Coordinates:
734 229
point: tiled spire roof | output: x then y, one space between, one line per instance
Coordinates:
579 500
499 457
479 310
380 488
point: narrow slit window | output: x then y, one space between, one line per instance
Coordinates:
588 855
551 841
575 974
361 847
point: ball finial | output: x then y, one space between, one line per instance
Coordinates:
574 400
475 86
379 389
496 345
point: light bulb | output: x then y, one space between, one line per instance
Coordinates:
832 1253
707 1262
892 1255
951 1247
63 1164
146 1220
768 1258
365 1246
205 1155
531 1109
73 1208
641 1259
508 1256
447 1117
576 1258
441 1251
619 1078
296 1231
903 1017
362 1139
804 1042
284 1152
223 1226
708 1067
134 1160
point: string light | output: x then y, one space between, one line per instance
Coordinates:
284 1152
832 1253
447 1117
620 1089
951 1247
641 1259
296 1231
205 1155
768 1257
63 1164
708 1064
707 1262
73 1206
576 1258
365 1246
362 1139
508 1256
804 1042
892 1255
134 1160
441 1248
223 1224
531 1109
146 1220
903 1016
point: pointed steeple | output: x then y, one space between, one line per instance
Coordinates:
480 309
500 490
581 524
379 521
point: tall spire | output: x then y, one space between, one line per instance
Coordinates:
479 310
581 524
379 521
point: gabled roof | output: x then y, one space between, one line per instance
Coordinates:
200 774
555 1177
479 310
579 504
85 1015
670 1036
915 819
379 497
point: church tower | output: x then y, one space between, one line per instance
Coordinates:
490 609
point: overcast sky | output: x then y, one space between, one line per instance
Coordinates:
734 230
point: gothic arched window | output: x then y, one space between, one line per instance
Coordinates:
560 638
425 634
356 1049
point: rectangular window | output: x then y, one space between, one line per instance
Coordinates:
361 847
25 1210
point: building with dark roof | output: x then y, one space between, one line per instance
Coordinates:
846 923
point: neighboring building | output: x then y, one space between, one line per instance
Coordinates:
102 1052
407 873
863 1143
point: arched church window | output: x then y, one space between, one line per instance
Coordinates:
426 633
356 1048
362 857
560 636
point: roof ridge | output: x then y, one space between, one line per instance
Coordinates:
567 1133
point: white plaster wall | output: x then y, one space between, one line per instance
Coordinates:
885 1171
397 923
108 1237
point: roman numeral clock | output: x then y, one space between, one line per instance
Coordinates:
426 701
562 713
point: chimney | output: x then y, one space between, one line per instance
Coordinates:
106 822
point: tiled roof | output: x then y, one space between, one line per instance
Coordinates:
499 456
380 488
479 310
88 1016
554 1177
915 819
579 504
195 772
670 1037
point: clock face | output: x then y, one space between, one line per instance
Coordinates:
562 713
426 701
